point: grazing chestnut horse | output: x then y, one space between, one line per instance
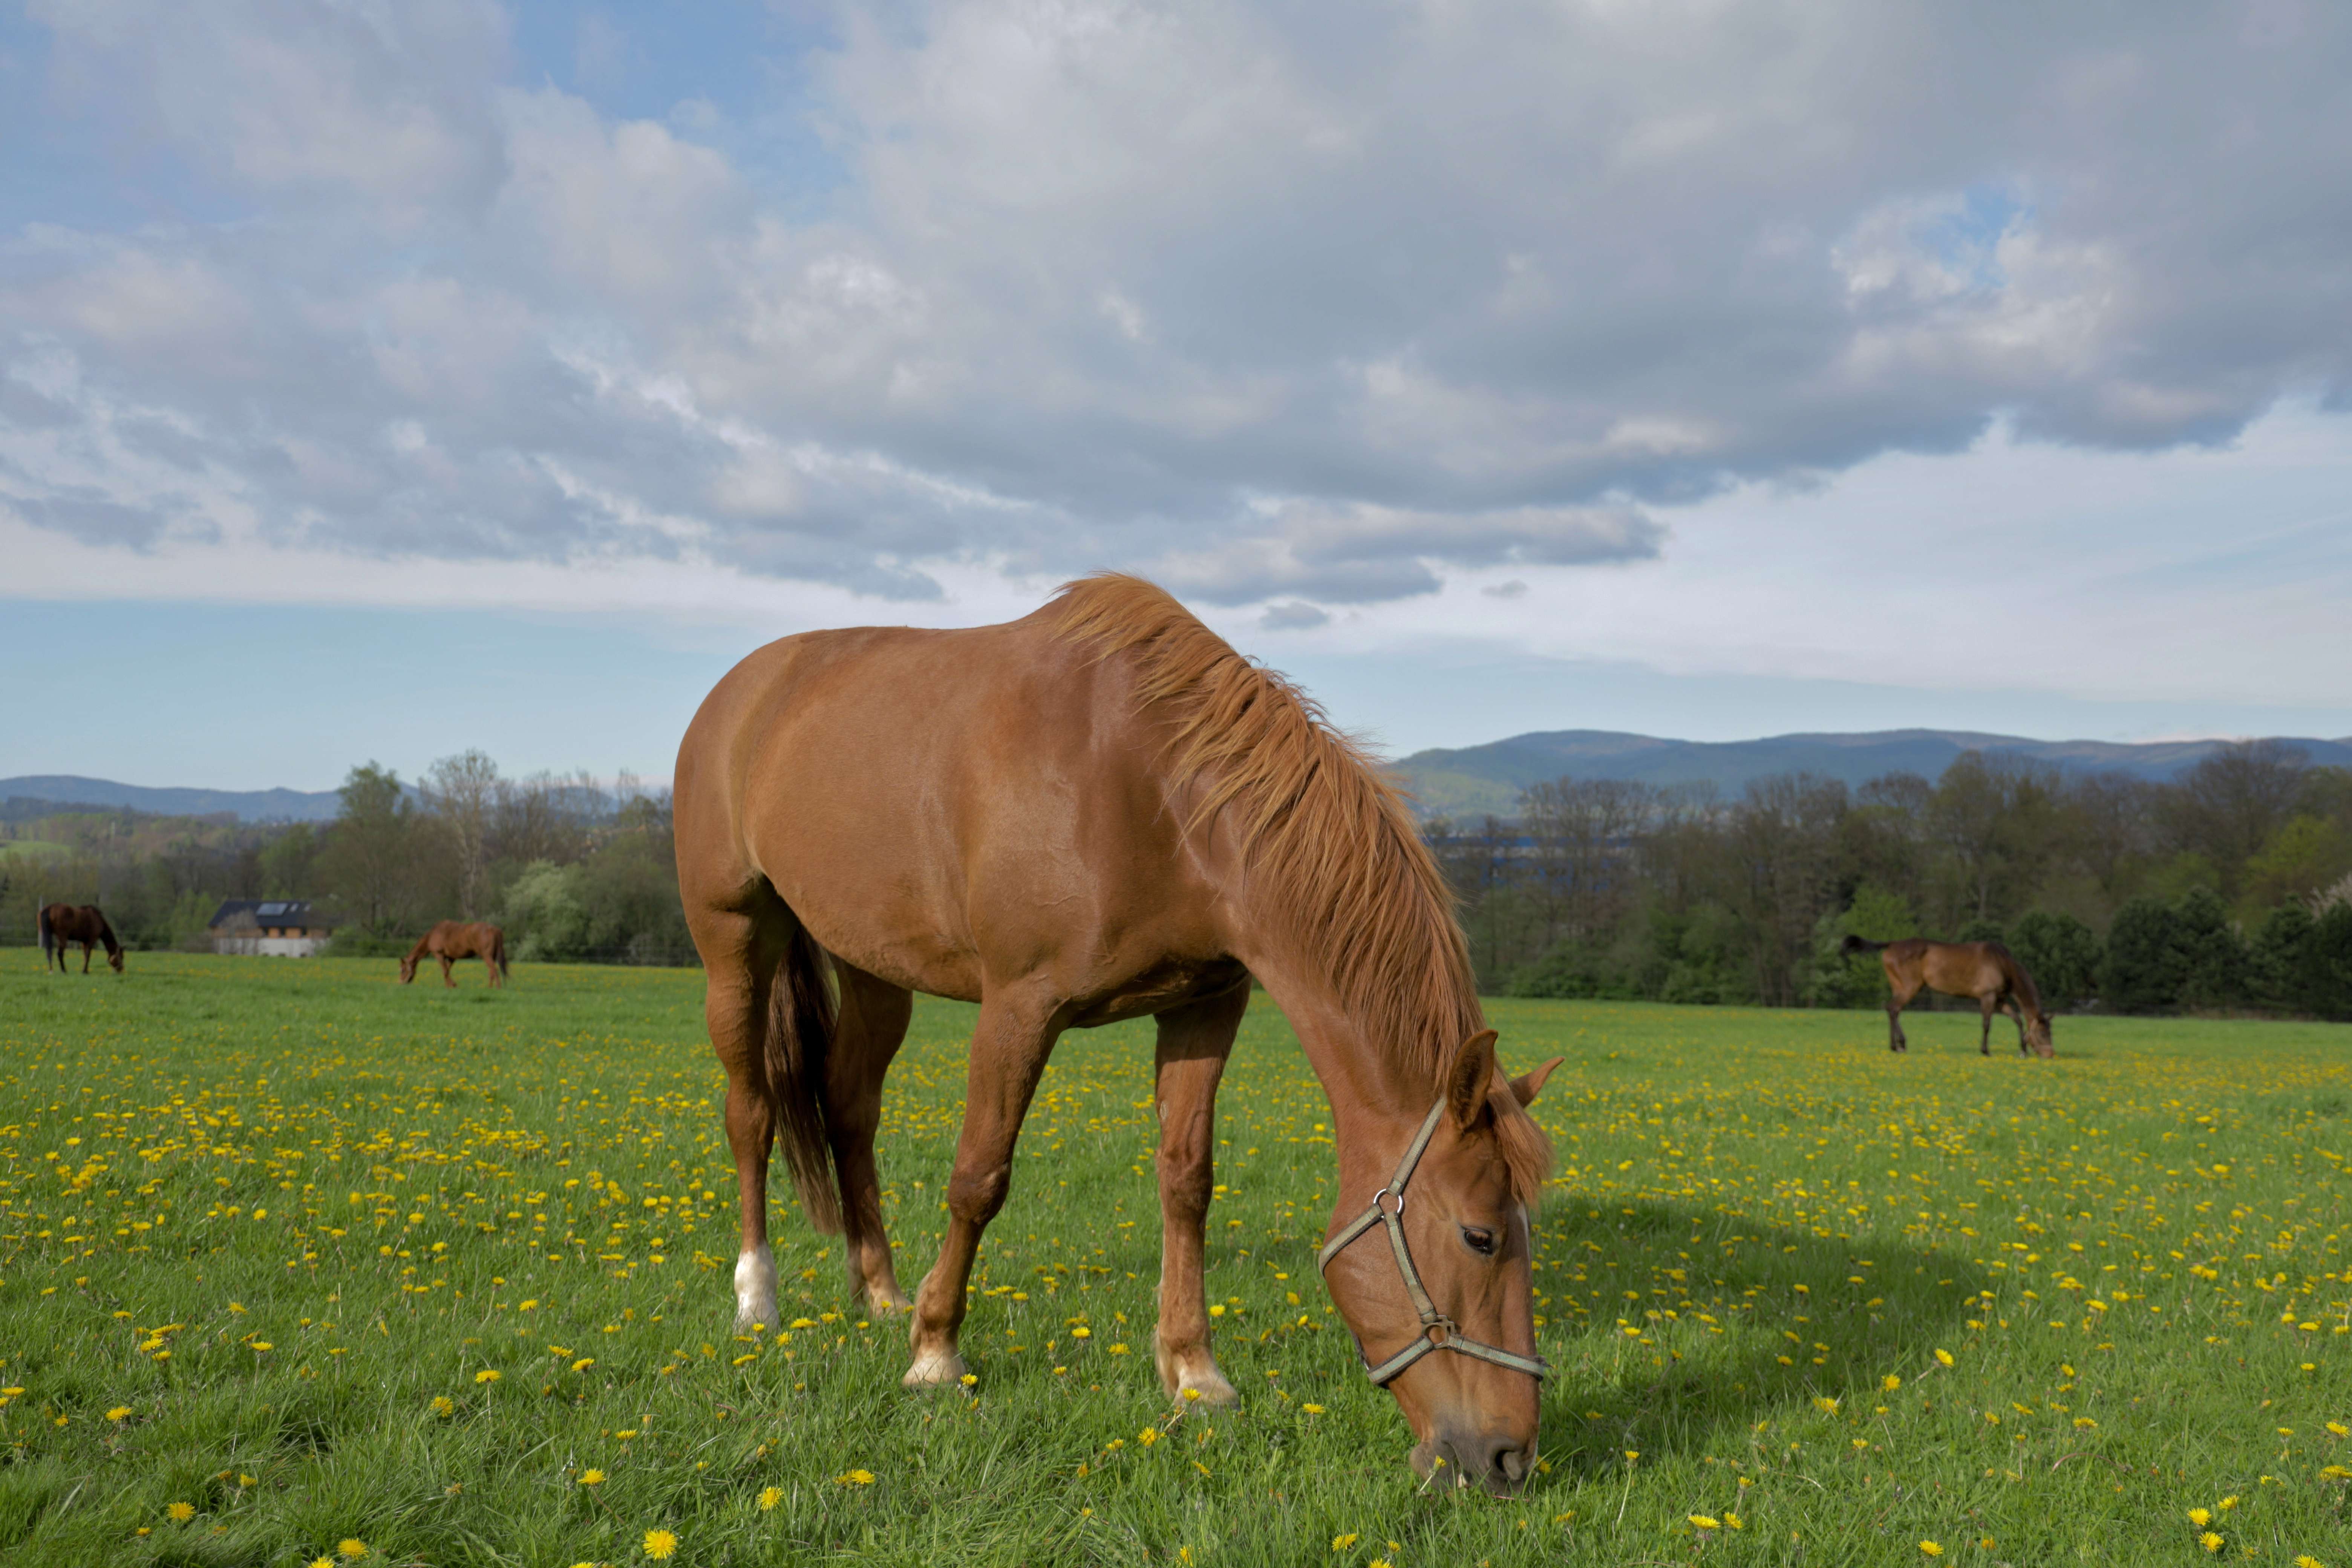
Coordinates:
1094 813
1984 970
61 924
453 940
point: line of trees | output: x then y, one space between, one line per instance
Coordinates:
2227 888
574 869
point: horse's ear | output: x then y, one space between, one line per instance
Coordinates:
1471 1077
1527 1086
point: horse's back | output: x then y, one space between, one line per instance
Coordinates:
935 805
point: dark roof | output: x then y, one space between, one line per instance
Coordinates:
262 912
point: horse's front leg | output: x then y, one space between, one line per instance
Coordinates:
1985 1006
446 977
86 949
1016 1033
1195 1041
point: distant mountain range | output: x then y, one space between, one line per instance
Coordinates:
1475 780
1467 782
248 805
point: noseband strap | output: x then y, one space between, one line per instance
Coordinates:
1437 1331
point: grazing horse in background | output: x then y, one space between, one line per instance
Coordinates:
453 940
1984 970
1094 813
61 924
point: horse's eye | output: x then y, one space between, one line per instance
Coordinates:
1480 1241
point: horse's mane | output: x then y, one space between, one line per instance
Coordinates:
1318 824
2019 981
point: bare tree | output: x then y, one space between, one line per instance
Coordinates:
462 791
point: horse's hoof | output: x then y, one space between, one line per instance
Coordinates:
1208 1388
935 1369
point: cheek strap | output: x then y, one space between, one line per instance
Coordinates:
1438 1331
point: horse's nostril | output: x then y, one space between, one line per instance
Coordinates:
1509 1462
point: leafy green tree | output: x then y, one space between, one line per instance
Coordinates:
2145 964
2060 953
368 858
2213 956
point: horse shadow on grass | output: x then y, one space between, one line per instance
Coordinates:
1736 1322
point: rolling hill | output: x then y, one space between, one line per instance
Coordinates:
1475 780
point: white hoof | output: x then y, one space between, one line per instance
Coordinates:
1192 1376
755 1290
935 1369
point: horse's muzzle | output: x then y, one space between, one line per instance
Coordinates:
1498 1463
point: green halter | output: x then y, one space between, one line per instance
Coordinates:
1437 1331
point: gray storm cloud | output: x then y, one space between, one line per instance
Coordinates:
1308 304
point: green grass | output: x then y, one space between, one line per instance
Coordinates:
2136 1257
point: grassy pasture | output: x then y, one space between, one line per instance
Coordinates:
338 1269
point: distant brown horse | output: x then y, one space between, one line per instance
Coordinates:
1984 970
61 924
453 940
1094 813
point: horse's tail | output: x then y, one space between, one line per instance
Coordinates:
801 1014
1853 944
48 938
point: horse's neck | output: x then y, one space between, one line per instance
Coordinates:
1366 1085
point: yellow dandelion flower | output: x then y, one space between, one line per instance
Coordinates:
2308 1560
1734 1521
583 1363
1341 1542
770 1496
1945 1357
2201 1517
1148 1437
488 1375
1825 1405
1891 1383
2228 1503
444 1405
120 1413
1704 1523
1931 1548
660 1544
855 1479
320 1563
591 1477
1312 1409
352 1546
2339 1429
181 1512
2210 1541
970 1379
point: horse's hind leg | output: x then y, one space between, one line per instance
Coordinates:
1016 1032
445 978
1195 1041
1897 999
874 1016
1985 1006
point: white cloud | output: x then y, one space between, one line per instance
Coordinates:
1318 304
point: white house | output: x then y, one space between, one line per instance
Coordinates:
268 928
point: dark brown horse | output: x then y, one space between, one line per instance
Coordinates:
1984 970
454 940
1094 813
61 924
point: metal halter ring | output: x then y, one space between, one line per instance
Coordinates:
1438 1331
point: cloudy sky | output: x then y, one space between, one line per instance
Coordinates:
380 377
